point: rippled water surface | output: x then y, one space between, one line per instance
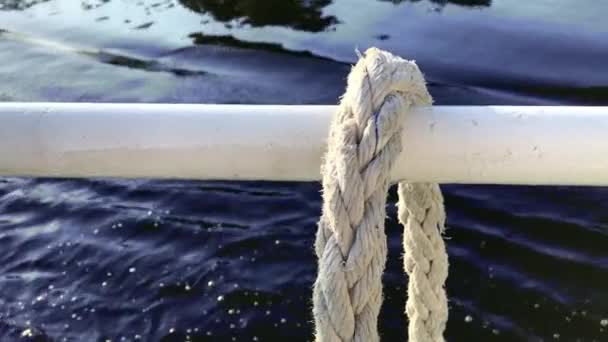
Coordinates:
152 260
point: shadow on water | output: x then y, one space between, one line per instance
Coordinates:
295 14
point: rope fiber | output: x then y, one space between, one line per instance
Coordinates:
364 142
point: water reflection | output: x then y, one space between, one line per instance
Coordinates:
12 5
296 14
199 38
469 3
302 15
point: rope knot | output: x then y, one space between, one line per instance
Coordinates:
364 141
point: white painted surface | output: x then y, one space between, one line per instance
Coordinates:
501 145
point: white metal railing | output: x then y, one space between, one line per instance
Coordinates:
456 144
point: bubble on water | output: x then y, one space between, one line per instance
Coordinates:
604 322
231 311
232 326
220 298
536 305
132 269
256 303
210 283
495 331
556 336
187 287
27 333
468 319
171 331
105 283
276 242
283 320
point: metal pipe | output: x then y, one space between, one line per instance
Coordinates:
457 144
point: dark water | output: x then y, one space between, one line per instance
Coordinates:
150 260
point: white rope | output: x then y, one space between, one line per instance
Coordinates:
422 214
364 141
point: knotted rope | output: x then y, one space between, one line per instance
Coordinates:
364 142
